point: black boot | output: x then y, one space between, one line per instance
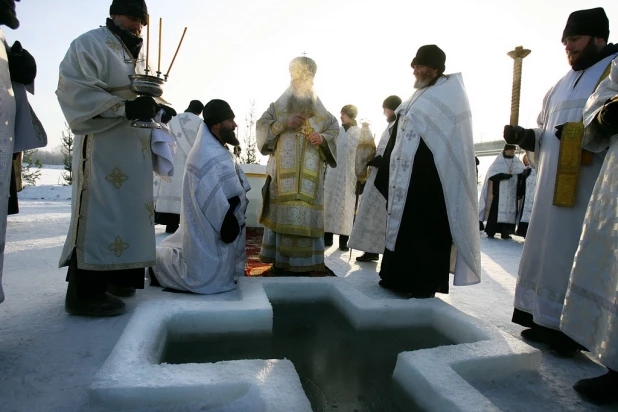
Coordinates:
328 239
121 291
600 390
86 296
535 334
563 346
343 243
368 257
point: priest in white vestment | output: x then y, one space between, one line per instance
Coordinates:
554 232
590 313
369 230
185 128
19 127
428 178
299 136
111 238
526 192
498 202
355 146
207 252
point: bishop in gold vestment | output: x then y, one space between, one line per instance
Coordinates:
298 134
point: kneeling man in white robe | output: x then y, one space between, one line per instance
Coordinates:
207 252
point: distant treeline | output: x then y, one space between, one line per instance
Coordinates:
49 156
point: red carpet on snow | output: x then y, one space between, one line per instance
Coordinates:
254 267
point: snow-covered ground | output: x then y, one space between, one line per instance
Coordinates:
48 358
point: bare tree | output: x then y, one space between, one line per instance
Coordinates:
68 141
249 155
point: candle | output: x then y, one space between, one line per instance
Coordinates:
175 54
147 40
160 34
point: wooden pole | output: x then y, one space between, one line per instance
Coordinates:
518 56
175 54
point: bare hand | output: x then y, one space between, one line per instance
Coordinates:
295 121
315 138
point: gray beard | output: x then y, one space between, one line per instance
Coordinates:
301 105
301 100
118 24
422 83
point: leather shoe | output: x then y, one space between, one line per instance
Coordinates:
121 291
535 335
368 257
600 390
96 306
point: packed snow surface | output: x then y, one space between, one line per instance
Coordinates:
48 359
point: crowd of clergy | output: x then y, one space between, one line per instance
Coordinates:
412 199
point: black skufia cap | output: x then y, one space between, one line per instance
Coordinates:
591 22
431 56
133 8
217 111
195 107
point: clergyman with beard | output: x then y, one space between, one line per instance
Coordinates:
555 229
298 134
427 176
498 203
207 251
111 238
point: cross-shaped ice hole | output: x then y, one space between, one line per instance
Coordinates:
133 375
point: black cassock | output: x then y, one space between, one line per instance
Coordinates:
493 226
421 261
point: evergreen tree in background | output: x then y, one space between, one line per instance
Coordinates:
31 168
68 140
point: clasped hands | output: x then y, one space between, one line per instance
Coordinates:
297 120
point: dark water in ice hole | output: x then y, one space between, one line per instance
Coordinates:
340 368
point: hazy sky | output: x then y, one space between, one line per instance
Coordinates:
239 50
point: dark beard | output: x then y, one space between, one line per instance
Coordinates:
228 136
8 16
301 105
587 57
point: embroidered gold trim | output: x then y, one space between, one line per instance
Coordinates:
146 147
151 211
571 158
286 266
292 229
113 45
117 178
118 247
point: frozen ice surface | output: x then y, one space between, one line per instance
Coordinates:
48 360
